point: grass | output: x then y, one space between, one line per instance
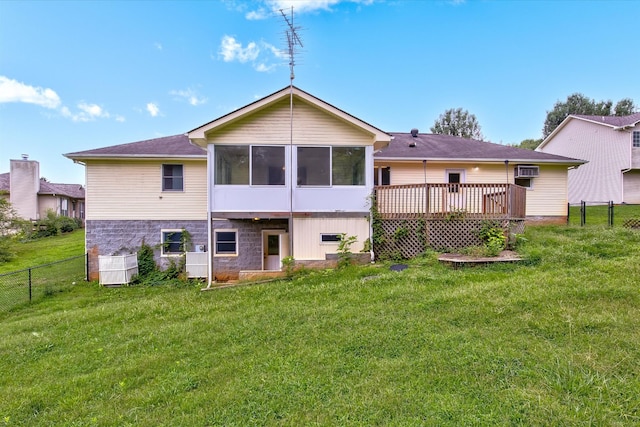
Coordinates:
553 341
598 214
43 251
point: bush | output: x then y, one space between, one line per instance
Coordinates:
53 225
492 235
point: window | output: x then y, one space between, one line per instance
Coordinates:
636 139
172 243
267 165
64 207
347 166
245 165
226 242
314 166
331 238
327 166
524 182
172 178
232 164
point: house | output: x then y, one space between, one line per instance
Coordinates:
147 191
415 158
611 145
32 197
287 176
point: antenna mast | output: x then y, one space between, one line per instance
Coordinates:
293 40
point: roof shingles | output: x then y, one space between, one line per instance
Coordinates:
450 148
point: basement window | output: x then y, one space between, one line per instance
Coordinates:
331 237
225 242
172 243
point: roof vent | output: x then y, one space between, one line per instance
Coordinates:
25 157
414 132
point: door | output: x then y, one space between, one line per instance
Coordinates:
275 247
455 197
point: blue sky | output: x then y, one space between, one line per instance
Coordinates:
81 75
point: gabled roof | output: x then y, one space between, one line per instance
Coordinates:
198 135
74 191
432 147
613 122
176 146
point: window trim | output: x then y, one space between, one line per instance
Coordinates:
163 177
162 242
215 242
635 139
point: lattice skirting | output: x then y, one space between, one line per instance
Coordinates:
408 238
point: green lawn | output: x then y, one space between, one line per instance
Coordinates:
599 214
44 251
553 341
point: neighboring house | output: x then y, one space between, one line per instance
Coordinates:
611 145
32 197
286 175
147 191
415 158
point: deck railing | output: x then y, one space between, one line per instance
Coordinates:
482 201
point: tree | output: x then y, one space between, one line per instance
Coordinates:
10 226
577 103
625 107
529 144
457 122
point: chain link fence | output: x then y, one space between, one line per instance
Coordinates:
24 286
603 213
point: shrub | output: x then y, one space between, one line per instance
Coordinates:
492 235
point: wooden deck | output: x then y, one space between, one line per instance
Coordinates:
448 201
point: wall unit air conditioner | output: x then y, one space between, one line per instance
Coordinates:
527 171
200 248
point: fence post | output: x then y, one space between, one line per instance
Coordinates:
611 213
29 284
583 213
86 266
568 213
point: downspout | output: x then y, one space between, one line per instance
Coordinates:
209 227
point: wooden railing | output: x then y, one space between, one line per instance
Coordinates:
490 201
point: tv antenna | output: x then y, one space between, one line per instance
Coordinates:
293 40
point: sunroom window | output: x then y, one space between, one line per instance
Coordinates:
326 166
244 165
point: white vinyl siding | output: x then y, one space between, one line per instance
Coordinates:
133 190
273 126
548 197
307 239
608 153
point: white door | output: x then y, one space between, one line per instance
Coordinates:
275 246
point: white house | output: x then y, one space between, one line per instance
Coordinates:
611 145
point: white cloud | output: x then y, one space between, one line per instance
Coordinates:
120 118
264 57
153 109
87 113
158 46
15 91
299 6
190 96
232 50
